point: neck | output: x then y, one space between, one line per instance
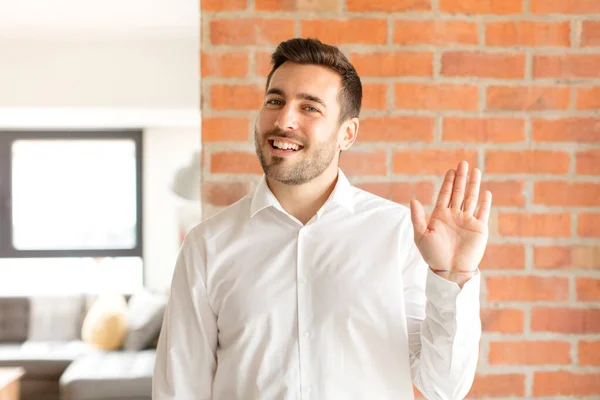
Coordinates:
303 201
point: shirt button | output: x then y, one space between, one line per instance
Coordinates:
308 390
303 281
306 334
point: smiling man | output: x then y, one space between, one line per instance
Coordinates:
312 288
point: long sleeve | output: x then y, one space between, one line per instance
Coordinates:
186 351
444 329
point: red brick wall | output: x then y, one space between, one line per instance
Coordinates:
513 86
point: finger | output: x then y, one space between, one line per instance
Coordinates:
485 205
472 192
443 199
460 182
417 216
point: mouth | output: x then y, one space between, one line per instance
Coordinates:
281 147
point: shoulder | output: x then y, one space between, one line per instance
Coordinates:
221 222
365 201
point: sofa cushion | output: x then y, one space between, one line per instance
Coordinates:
42 360
56 318
14 319
105 324
144 319
109 375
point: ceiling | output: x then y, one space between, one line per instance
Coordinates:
103 18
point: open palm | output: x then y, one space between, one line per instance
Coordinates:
456 235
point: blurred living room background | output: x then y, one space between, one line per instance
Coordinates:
99 182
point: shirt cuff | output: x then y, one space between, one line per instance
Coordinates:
445 294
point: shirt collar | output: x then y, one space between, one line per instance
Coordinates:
341 195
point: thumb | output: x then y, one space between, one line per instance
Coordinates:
417 216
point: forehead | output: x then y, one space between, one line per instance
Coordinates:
316 80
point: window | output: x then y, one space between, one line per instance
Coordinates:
73 195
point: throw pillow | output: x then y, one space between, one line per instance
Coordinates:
105 324
144 319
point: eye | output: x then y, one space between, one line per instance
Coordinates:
311 109
274 102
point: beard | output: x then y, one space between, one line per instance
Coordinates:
312 164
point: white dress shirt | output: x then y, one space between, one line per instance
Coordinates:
344 307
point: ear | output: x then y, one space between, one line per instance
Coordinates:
349 133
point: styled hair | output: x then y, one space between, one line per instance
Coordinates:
312 51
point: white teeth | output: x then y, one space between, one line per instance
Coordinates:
285 145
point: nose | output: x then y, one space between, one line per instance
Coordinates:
287 119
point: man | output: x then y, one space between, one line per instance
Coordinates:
311 288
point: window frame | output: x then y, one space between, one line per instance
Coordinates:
8 137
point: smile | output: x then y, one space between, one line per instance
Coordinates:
284 146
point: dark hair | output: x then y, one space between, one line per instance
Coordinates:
312 51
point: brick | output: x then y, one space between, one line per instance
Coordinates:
590 33
223 5
527 162
401 192
571 129
356 163
527 98
530 353
503 256
502 320
483 130
388 5
223 193
497 385
588 99
483 65
566 194
527 33
566 66
262 63
236 97
566 320
587 162
234 162
375 96
499 7
564 6
347 31
225 129
297 5
430 161
527 288
535 225
224 65
506 193
589 352
393 64
436 96
588 225
565 257
587 289
564 383
251 31
435 32
397 129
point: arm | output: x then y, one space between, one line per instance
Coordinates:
186 351
452 244
444 329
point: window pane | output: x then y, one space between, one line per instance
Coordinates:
74 194
54 276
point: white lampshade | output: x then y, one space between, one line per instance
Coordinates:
186 182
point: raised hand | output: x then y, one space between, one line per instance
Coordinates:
456 235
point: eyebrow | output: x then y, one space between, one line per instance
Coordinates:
305 96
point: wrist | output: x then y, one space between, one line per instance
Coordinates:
456 276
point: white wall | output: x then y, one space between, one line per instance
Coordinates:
134 81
